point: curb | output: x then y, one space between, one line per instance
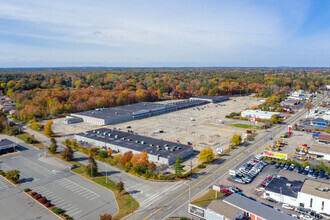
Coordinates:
14 153
43 206
10 181
101 186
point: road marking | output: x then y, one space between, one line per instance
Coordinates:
264 138
76 188
72 214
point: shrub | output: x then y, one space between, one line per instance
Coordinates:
33 193
57 210
38 196
67 217
2 173
201 166
48 204
27 190
43 200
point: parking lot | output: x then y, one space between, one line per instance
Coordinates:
80 198
255 189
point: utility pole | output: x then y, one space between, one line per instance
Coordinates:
92 171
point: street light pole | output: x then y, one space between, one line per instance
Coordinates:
92 171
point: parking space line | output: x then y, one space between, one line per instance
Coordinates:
72 214
73 210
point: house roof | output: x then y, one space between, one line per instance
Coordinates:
310 186
254 207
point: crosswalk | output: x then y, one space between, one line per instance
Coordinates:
152 197
77 189
4 184
58 201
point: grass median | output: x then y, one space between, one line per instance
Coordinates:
127 204
246 126
205 199
26 137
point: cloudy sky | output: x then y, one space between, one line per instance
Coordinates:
41 33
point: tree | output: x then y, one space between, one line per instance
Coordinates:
106 216
206 155
178 167
48 128
127 157
236 140
308 106
67 154
92 168
53 146
274 119
13 175
120 186
110 152
67 142
102 154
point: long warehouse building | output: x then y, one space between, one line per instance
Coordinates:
119 114
159 151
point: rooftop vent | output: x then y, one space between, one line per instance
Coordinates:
123 138
116 113
116 136
109 134
128 139
288 184
142 142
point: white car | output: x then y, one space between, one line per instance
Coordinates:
287 206
306 217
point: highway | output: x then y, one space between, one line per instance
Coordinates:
175 203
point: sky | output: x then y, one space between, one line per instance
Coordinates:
171 33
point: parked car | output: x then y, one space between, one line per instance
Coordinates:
226 191
302 210
73 166
321 174
291 167
287 165
301 169
287 206
277 165
310 172
315 173
326 175
272 162
271 199
282 166
296 168
306 217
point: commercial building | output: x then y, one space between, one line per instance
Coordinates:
319 122
289 102
324 138
7 146
284 191
321 151
309 194
258 114
236 206
253 209
211 99
313 197
114 115
159 151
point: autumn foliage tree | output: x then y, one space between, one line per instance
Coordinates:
106 216
67 154
206 155
127 157
140 162
48 128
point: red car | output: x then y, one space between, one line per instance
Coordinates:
226 191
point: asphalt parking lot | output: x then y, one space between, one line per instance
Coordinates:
252 189
80 198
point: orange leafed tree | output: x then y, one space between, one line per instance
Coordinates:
140 159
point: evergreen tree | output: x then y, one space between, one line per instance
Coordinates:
178 167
